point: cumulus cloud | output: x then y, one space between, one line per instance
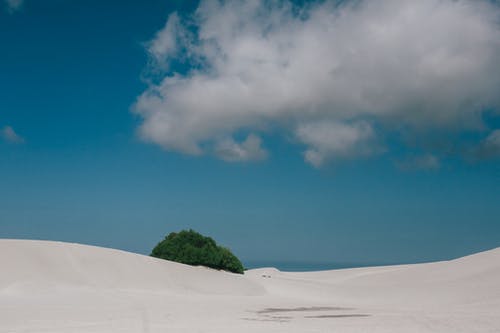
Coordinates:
9 135
14 5
328 140
248 150
325 74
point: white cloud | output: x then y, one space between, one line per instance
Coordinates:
14 5
493 140
248 150
489 147
335 140
9 135
260 66
168 43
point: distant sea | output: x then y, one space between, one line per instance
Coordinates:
308 266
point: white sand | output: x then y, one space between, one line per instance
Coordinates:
61 287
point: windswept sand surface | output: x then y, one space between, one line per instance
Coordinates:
61 287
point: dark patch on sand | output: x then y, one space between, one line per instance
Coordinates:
279 319
303 309
318 312
340 315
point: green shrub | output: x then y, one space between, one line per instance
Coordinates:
192 248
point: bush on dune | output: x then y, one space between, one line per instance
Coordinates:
192 248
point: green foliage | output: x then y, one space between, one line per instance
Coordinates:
192 248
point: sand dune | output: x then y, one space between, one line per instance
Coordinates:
62 287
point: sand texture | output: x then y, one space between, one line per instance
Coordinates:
62 287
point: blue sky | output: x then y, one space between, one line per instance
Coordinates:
121 122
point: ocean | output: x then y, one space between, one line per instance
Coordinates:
307 266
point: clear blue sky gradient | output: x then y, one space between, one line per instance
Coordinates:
69 73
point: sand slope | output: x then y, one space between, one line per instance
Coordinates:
62 287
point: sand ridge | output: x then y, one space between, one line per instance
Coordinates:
63 287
